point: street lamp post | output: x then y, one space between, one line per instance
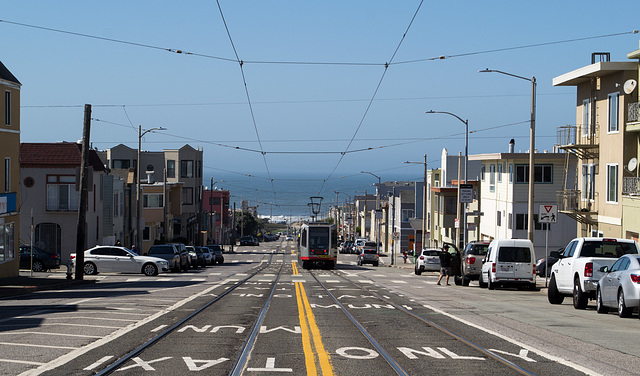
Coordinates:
139 223
377 206
466 170
424 203
532 139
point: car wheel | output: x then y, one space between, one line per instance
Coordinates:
417 270
553 295
623 310
221 260
90 268
580 299
600 308
150 270
465 281
491 285
457 280
375 264
38 266
533 286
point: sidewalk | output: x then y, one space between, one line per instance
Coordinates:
25 283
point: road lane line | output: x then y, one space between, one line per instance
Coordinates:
32 345
309 358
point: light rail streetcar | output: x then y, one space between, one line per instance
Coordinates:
318 245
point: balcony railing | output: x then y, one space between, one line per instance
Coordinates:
631 186
576 135
571 200
633 112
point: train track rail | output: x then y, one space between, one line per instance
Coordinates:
242 358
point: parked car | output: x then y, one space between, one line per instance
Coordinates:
217 252
42 260
289 238
509 262
195 256
184 255
471 262
369 254
208 256
167 252
542 263
619 287
428 260
247 240
115 259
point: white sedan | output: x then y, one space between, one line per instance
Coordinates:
114 259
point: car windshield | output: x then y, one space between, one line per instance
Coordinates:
431 253
167 249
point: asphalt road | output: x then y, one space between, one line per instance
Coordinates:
352 320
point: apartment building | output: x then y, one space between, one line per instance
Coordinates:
605 142
504 197
10 173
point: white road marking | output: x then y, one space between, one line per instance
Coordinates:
21 362
97 363
106 339
32 345
400 282
517 343
51 334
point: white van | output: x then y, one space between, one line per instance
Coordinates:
509 262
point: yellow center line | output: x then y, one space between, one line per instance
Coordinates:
308 324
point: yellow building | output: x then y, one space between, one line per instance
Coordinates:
10 172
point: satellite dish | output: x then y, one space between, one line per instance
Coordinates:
629 86
633 163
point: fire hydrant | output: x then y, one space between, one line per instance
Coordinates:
69 265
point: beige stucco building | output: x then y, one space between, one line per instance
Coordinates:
10 176
605 140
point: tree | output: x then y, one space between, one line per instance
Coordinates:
250 225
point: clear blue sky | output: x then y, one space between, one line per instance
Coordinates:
201 100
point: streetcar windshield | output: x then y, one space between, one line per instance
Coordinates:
319 238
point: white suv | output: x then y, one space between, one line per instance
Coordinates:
428 260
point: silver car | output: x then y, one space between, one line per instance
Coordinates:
369 254
428 260
620 286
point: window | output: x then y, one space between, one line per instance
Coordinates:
521 222
48 236
492 178
510 221
612 183
153 200
61 193
499 218
612 121
149 167
120 163
146 233
7 242
406 214
537 225
541 174
510 173
500 168
586 117
482 171
7 107
7 174
214 200
187 196
588 181
171 168
186 169
450 205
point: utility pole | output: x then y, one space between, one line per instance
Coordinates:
81 230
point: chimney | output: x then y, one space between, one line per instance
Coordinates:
149 177
512 145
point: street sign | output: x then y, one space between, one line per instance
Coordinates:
378 213
475 213
547 213
466 193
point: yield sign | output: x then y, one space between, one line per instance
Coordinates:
548 214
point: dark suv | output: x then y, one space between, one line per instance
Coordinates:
170 253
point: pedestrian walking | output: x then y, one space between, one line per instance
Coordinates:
445 265
404 256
